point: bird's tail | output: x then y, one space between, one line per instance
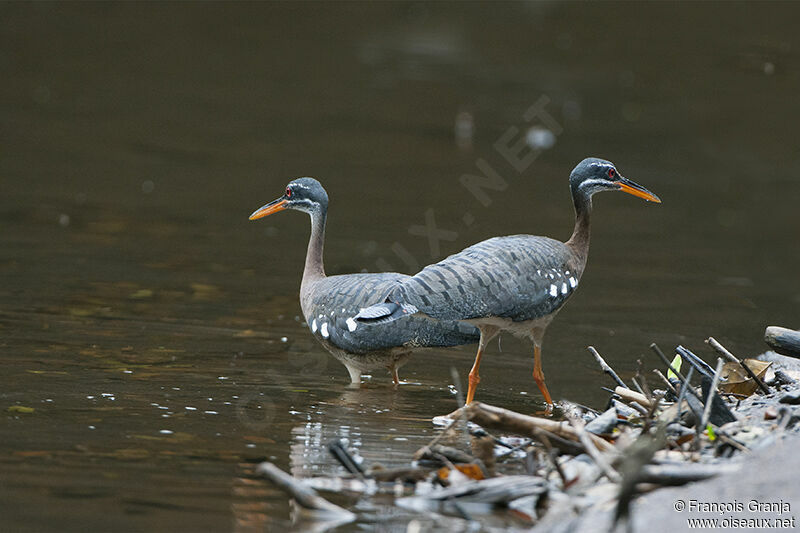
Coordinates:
385 312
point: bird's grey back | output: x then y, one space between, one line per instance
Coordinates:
520 277
331 303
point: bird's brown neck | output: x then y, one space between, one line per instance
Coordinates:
315 268
579 242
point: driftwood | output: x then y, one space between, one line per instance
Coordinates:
674 475
494 491
305 496
632 396
784 341
491 417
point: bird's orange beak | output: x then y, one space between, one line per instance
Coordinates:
272 207
628 186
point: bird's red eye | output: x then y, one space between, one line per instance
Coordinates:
288 192
611 172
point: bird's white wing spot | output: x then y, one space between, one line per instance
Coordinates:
563 288
553 291
573 282
351 324
324 330
314 326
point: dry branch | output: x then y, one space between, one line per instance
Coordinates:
305 496
492 417
605 366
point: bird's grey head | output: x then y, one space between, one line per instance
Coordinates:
302 194
594 175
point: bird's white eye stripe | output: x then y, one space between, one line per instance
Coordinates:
592 183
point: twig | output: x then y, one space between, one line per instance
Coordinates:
641 377
304 495
664 379
437 438
459 398
552 454
683 380
701 366
732 442
340 453
605 367
515 449
638 407
711 391
593 452
732 358
684 387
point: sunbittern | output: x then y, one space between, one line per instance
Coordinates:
329 302
516 283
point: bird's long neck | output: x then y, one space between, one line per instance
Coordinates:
315 269
579 242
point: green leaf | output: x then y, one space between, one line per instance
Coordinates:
710 431
676 364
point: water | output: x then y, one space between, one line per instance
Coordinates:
154 331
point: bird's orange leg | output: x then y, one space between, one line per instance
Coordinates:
474 378
538 375
487 334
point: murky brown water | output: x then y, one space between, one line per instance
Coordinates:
153 332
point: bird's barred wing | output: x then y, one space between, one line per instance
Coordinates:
337 299
520 277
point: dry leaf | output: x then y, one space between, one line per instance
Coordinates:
737 381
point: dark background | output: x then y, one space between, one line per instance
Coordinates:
136 139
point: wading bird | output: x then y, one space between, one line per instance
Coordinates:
515 283
329 302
